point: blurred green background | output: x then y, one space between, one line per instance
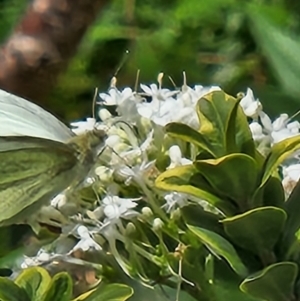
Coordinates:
232 43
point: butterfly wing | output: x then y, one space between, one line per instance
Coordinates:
31 174
19 117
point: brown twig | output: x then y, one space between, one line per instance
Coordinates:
42 44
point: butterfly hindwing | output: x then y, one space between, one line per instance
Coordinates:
33 173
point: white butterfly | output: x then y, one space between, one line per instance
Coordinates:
39 157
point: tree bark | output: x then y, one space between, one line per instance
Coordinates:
42 44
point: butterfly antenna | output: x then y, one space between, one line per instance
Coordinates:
123 61
113 81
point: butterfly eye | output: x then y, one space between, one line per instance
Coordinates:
97 137
101 134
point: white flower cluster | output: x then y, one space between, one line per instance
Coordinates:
129 158
262 127
267 133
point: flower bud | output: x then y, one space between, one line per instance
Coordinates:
104 173
157 224
147 212
130 229
104 114
176 214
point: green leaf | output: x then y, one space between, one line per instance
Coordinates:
13 244
84 296
214 112
274 283
273 193
35 281
8 260
239 136
184 179
9 291
280 48
110 292
279 152
188 134
234 176
60 288
292 225
220 247
226 285
195 215
256 230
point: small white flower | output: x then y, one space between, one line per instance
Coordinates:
293 127
162 107
188 116
251 106
282 129
292 171
266 122
158 93
176 157
160 112
116 97
291 175
89 181
59 201
170 110
280 123
202 91
188 96
41 257
83 126
191 96
28 262
175 200
257 131
86 242
133 153
137 172
115 207
124 100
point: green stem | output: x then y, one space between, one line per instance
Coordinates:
157 209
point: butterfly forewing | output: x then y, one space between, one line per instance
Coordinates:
19 117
